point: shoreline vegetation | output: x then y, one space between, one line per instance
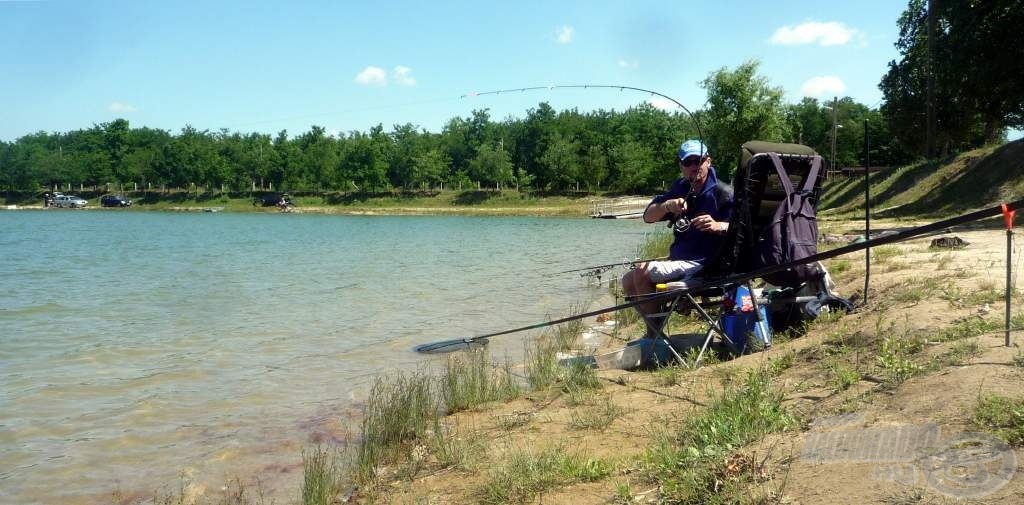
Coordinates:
971 180
476 202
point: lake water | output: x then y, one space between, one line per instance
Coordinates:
142 350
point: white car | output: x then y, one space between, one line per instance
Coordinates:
69 201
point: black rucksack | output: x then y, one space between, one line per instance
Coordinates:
792 233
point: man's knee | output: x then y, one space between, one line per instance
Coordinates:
627 282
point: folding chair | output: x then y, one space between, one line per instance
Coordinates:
759 189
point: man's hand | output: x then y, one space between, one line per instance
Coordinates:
706 224
675 206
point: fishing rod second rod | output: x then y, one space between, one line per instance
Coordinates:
446 346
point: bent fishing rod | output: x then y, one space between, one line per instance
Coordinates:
696 124
732 280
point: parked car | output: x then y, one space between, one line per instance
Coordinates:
69 201
272 199
115 201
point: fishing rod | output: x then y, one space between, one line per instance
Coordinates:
700 132
611 265
445 346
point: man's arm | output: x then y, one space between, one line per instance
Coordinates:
656 211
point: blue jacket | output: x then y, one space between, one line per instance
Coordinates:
692 244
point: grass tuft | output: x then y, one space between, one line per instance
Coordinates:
842 376
882 254
399 409
469 380
1002 416
526 474
967 328
321 481
541 364
894 359
597 417
567 334
455 449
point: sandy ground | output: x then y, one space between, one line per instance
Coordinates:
854 445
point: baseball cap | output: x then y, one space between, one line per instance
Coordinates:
692 148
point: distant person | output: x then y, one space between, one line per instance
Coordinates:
46 200
699 206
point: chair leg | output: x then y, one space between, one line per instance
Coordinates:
713 328
656 324
707 341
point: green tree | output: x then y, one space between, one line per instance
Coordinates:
429 168
319 158
977 65
635 167
742 106
491 165
561 163
595 167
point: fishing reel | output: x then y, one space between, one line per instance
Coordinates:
680 225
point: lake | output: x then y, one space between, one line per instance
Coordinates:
142 351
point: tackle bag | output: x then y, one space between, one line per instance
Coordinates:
792 233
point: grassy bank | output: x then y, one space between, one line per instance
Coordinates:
975 179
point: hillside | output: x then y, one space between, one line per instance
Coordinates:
975 179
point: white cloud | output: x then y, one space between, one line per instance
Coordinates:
372 76
565 34
629 64
662 103
823 86
831 33
401 75
121 107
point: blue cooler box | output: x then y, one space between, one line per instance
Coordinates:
739 325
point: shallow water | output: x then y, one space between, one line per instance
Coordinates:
140 350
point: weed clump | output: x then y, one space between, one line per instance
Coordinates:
320 477
526 474
398 410
472 380
1002 416
689 465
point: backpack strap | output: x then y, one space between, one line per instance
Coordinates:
783 176
812 176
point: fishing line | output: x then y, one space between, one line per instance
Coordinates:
700 131
470 95
347 111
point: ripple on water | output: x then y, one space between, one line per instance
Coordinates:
196 349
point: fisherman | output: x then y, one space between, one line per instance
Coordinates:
698 207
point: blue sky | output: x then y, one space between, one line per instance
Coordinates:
266 66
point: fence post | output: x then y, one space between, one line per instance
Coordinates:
1008 218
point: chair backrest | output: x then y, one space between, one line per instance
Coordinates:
758 192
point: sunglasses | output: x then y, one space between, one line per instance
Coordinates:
691 161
